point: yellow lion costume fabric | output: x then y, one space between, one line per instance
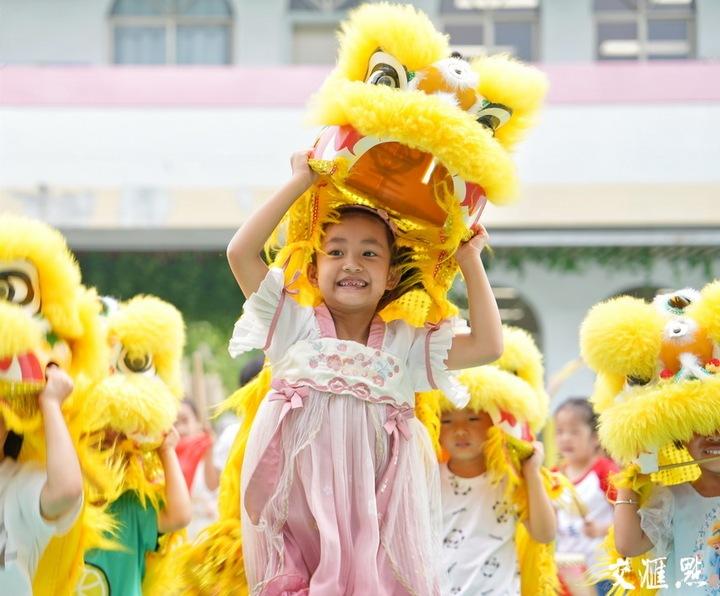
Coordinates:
398 137
46 315
511 391
133 408
421 135
656 387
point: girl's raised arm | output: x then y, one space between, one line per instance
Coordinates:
245 247
484 343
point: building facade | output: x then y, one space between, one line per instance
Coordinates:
158 124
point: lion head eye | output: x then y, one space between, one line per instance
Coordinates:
492 115
134 363
636 381
679 302
385 69
19 286
674 304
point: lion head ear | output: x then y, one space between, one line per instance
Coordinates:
518 88
149 325
401 32
622 337
605 390
706 310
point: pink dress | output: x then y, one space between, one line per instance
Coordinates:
339 484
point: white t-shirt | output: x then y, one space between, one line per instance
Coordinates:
223 445
592 490
478 555
684 526
24 532
203 501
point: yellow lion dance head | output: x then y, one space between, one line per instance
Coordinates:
656 366
416 132
138 402
656 387
46 315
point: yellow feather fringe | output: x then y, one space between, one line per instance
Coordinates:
538 572
215 558
162 567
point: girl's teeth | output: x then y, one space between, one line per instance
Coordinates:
712 451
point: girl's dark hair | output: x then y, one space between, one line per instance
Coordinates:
251 369
401 257
13 444
583 407
193 407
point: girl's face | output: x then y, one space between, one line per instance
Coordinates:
463 433
575 438
703 447
353 270
187 423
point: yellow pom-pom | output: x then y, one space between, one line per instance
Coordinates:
623 337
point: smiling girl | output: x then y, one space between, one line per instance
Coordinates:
338 481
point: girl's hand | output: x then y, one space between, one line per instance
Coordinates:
533 463
170 441
300 168
473 247
59 385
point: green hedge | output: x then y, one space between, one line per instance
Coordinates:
199 284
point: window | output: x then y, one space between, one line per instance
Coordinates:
323 5
491 26
314 43
171 32
645 29
314 29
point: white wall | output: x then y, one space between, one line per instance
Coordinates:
708 29
77 31
664 143
567 31
178 148
54 31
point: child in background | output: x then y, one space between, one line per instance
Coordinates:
335 492
196 455
36 504
140 526
679 522
582 528
479 522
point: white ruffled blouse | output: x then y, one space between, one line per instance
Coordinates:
398 361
